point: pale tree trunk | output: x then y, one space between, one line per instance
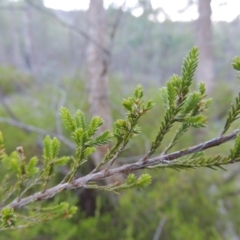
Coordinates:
205 72
98 61
14 31
26 19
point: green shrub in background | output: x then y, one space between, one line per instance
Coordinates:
181 107
11 80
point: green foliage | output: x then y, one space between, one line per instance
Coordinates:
196 162
13 80
8 219
26 175
233 114
60 210
68 120
181 106
50 159
236 63
32 168
183 109
127 129
2 150
188 69
83 137
44 214
235 152
184 203
132 182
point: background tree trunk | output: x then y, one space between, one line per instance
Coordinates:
14 31
98 60
26 19
205 70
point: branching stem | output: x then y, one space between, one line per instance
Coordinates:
127 168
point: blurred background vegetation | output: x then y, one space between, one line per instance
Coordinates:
44 64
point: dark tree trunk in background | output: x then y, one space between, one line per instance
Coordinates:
205 72
97 60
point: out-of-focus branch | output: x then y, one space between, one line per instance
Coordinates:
11 8
232 193
67 25
159 229
232 176
116 24
36 130
188 4
6 107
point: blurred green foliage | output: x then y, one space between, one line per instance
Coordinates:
12 80
197 204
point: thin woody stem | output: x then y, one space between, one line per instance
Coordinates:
127 168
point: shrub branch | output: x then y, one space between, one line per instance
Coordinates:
126 168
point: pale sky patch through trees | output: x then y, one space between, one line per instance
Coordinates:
223 10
